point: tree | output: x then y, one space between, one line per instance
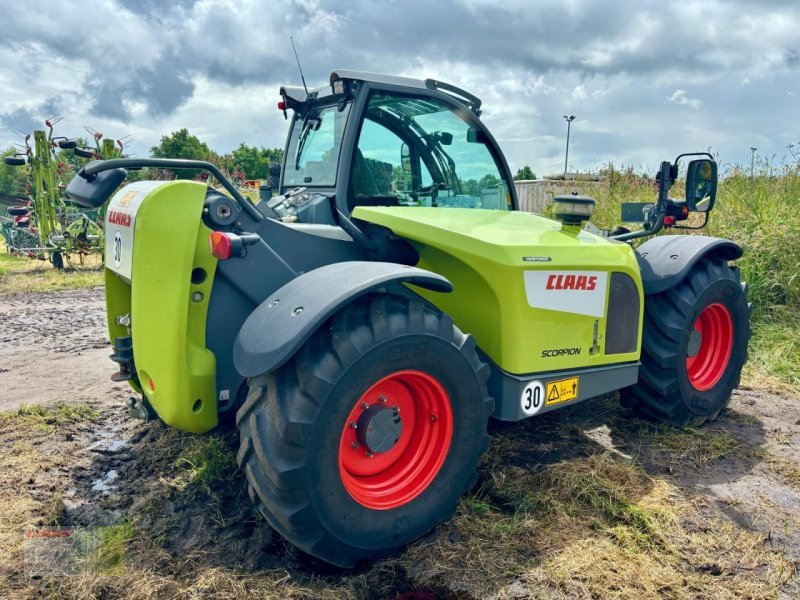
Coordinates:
252 161
182 144
12 179
525 173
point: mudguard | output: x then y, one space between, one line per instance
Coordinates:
665 260
277 328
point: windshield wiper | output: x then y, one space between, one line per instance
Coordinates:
310 121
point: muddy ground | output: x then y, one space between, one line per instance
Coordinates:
739 476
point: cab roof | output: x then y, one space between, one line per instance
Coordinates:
298 94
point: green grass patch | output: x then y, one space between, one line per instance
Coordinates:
49 418
774 361
19 274
114 542
206 461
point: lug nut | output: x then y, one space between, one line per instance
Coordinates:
396 408
433 418
382 398
355 445
364 405
368 454
353 425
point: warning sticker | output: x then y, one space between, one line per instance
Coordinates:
563 390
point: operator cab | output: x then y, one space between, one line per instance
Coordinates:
375 140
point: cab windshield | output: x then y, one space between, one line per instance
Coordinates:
314 144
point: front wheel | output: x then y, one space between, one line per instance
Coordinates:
367 438
694 345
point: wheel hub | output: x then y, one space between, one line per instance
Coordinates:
695 342
379 428
385 461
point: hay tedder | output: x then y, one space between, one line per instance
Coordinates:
46 226
364 324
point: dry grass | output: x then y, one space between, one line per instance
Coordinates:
787 470
695 446
596 528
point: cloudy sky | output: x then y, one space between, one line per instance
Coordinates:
646 80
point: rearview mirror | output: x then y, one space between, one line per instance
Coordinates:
475 136
701 185
92 192
405 157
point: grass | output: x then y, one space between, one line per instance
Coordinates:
692 445
204 462
48 419
19 274
592 525
595 527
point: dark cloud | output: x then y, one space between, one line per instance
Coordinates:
20 119
625 68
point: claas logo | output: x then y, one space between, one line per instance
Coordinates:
571 282
117 217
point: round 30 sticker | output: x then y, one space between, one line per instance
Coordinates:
532 398
117 249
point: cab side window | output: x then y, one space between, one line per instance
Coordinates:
421 152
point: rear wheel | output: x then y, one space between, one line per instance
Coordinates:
694 345
367 438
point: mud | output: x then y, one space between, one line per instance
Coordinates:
53 349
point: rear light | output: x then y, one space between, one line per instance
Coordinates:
669 221
281 105
220 245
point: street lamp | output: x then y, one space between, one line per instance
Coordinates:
752 161
569 120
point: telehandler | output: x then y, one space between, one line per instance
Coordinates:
366 322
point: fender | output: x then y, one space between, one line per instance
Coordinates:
282 323
664 261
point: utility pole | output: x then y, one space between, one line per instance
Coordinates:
569 120
752 162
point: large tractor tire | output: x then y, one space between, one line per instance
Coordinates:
694 345
367 438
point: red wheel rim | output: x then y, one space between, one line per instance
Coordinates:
386 480
715 327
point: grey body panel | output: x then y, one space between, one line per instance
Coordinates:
284 321
333 232
507 389
241 284
664 261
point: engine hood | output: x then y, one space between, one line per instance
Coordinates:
508 237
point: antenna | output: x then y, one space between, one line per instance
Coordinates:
305 87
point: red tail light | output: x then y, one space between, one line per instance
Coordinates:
281 105
220 245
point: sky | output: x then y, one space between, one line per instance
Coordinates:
645 80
